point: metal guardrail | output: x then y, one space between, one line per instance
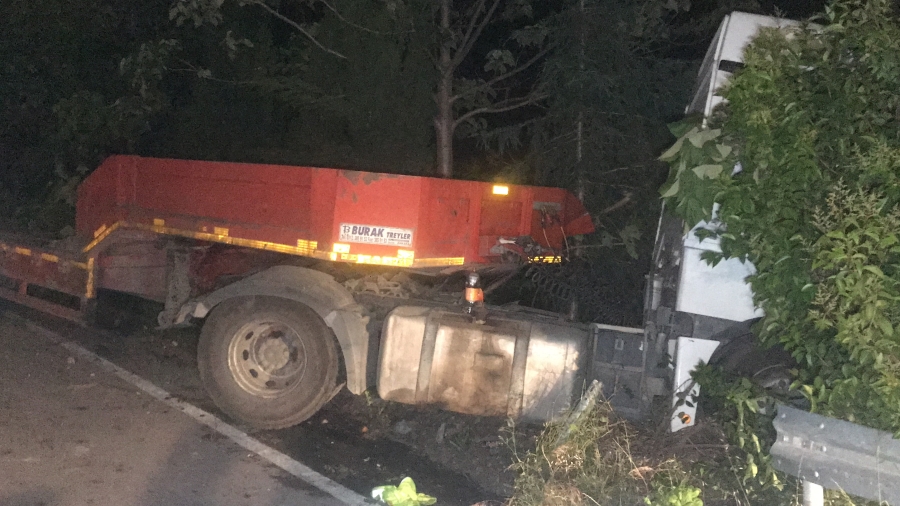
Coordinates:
837 455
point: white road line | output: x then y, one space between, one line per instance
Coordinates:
277 458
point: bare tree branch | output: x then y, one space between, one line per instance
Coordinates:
298 27
472 21
501 106
471 37
355 25
624 169
322 98
622 202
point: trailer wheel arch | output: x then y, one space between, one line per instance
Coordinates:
316 290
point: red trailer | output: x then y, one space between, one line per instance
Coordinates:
252 250
330 214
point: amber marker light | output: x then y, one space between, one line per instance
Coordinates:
500 189
473 293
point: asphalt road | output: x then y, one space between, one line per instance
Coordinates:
76 430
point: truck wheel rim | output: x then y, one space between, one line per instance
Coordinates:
267 359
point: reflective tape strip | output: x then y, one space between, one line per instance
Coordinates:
90 290
404 258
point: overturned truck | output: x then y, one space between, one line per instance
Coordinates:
306 280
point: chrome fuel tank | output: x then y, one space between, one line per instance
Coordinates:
514 364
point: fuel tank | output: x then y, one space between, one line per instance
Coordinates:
515 364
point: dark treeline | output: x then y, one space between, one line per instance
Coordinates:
571 93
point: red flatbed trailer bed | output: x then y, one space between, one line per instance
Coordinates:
337 215
331 214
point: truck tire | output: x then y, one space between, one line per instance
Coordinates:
266 361
742 355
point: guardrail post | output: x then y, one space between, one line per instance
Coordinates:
813 495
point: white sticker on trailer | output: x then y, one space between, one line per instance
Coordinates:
373 234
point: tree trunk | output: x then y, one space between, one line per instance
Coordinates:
443 127
444 120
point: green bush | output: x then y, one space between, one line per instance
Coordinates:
814 119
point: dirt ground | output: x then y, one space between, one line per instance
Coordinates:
474 447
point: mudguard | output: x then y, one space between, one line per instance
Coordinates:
317 290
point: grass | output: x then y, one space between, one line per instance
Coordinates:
605 461
592 465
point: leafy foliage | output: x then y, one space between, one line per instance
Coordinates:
855 266
58 57
608 461
745 411
682 495
813 120
609 94
381 95
486 54
698 172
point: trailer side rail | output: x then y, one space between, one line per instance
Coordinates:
46 280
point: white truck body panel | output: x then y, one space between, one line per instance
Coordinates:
688 353
735 32
720 290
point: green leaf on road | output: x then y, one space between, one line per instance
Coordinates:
402 495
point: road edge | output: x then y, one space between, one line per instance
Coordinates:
241 438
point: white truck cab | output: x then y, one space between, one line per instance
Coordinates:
694 307
725 55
